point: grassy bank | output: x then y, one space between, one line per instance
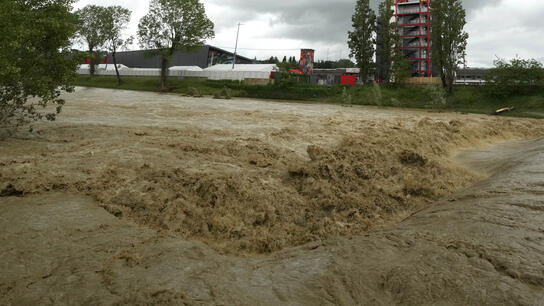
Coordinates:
465 99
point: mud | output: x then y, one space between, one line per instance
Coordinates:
188 183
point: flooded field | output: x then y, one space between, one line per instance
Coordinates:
135 197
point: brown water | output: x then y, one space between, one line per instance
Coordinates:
249 178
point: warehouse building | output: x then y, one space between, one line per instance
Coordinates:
204 57
471 76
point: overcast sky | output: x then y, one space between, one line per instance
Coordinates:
497 28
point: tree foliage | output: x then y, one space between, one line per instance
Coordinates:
91 30
172 25
35 59
385 41
342 63
392 65
400 69
449 40
361 39
515 77
114 22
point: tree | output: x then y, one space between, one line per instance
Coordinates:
115 21
35 59
400 67
173 25
361 40
284 59
91 30
517 76
400 70
342 63
385 45
449 41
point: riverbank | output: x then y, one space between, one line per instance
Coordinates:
466 99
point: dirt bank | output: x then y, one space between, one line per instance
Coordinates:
248 177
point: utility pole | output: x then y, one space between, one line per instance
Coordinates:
236 47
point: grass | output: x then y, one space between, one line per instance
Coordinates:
466 99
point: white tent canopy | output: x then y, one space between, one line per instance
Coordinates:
244 67
185 68
217 72
104 67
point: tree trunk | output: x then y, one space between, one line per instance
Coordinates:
91 62
450 80
164 73
115 64
443 78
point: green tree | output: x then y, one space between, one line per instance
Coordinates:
517 76
341 63
173 25
115 22
361 40
344 63
385 40
35 59
449 40
91 30
400 67
400 70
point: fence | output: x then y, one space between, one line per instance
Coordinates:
211 75
422 81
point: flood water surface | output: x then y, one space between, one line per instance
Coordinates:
141 198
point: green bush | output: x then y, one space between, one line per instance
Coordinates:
193 92
437 96
346 97
226 93
517 77
376 94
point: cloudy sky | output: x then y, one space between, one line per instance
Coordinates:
497 28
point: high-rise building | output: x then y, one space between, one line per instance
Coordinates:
414 20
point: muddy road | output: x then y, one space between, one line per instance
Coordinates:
143 198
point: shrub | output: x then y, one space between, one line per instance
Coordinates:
437 96
194 92
376 94
226 93
346 97
517 77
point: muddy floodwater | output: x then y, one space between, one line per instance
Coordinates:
143 198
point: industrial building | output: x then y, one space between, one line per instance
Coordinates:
414 21
330 77
471 76
204 57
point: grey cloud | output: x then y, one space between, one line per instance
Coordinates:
323 25
319 21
